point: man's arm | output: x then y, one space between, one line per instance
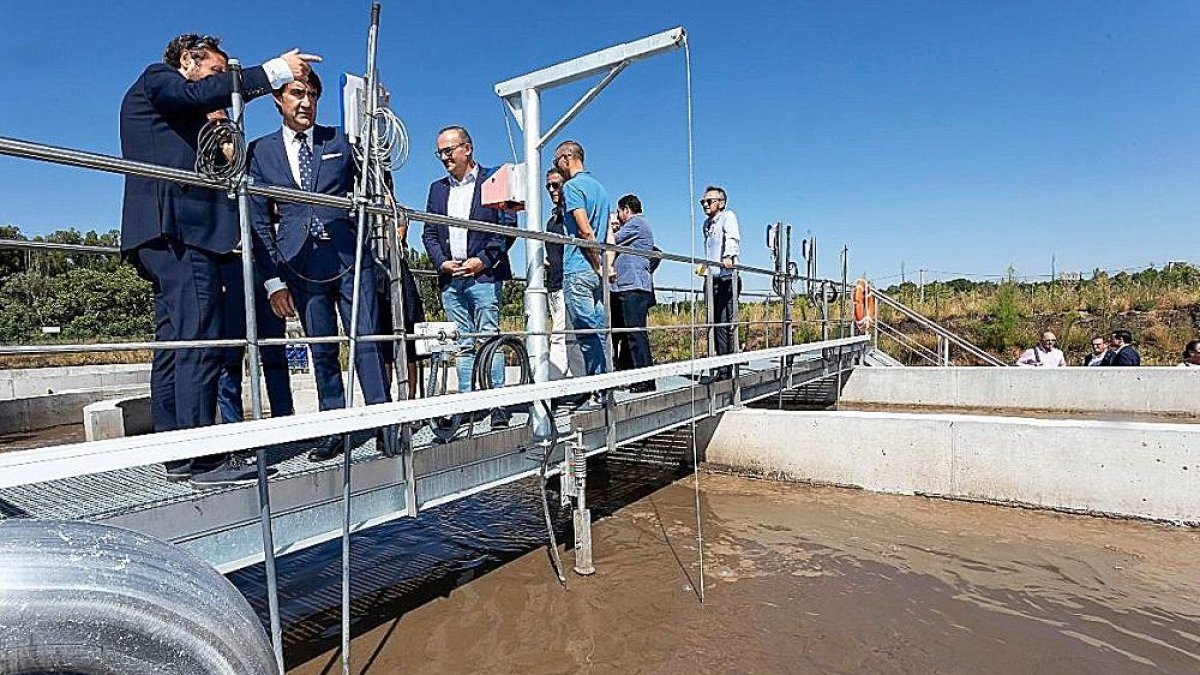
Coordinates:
733 237
172 93
266 254
586 232
437 250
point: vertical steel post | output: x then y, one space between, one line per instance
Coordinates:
536 304
846 330
710 317
735 335
395 251
786 267
361 193
609 342
252 355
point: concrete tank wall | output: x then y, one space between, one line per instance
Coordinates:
1145 470
26 382
1171 391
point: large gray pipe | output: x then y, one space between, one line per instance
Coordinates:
93 599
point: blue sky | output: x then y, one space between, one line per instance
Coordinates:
963 137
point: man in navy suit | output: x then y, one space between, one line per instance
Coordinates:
472 266
1121 351
310 261
178 235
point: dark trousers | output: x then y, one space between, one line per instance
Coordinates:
629 310
273 358
723 313
187 295
319 304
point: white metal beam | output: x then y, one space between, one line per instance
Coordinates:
594 63
588 96
23 467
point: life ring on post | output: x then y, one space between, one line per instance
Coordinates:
864 305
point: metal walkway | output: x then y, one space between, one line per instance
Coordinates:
222 525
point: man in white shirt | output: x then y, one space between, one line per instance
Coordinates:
1044 354
721 238
472 265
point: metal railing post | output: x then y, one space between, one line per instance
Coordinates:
255 368
735 336
395 251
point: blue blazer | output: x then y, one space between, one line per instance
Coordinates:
161 117
1128 356
492 249
334 172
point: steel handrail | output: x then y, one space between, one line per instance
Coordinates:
938 329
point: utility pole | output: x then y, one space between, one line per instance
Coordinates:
922 285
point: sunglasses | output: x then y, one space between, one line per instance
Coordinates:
554 186
706 202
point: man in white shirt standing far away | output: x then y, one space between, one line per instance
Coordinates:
721 237
1044 354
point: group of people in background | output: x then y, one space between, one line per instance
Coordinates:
185 240
1116 350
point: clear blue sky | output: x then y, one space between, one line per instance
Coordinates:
953 136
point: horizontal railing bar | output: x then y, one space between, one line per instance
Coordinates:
110 164
22 467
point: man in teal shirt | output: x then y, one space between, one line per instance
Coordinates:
586 205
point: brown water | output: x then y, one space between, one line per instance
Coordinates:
798 580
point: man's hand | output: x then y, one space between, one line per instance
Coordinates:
727 263
282 304
298 63
469 268
451 267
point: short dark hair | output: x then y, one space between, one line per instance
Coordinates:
1124 335
462 132
313 81
1192 347
717 188
555 171
192 42
573 146
630 202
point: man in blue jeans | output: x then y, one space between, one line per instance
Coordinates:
586 205
472 265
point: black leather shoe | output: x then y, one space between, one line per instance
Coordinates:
642 387
331 447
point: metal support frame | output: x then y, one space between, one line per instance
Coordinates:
529 89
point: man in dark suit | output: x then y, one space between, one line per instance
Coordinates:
310 261
177 235
472 266
1121 351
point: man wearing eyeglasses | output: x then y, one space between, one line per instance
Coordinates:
722 235
472 265
1099 351
1044 354
179 235
586 210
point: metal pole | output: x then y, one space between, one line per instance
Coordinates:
785 266
252 353
368 156
922 271
536 303
395 252
846 327
735 335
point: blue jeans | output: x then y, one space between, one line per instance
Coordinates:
475 308
584 297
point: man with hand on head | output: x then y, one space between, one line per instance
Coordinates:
309 268
179 235
472 266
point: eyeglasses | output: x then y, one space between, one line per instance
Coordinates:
444 153
562 156
706 202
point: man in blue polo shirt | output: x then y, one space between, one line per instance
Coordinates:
586 208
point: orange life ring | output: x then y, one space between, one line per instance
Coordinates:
864 304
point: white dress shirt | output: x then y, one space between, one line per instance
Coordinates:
458 205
